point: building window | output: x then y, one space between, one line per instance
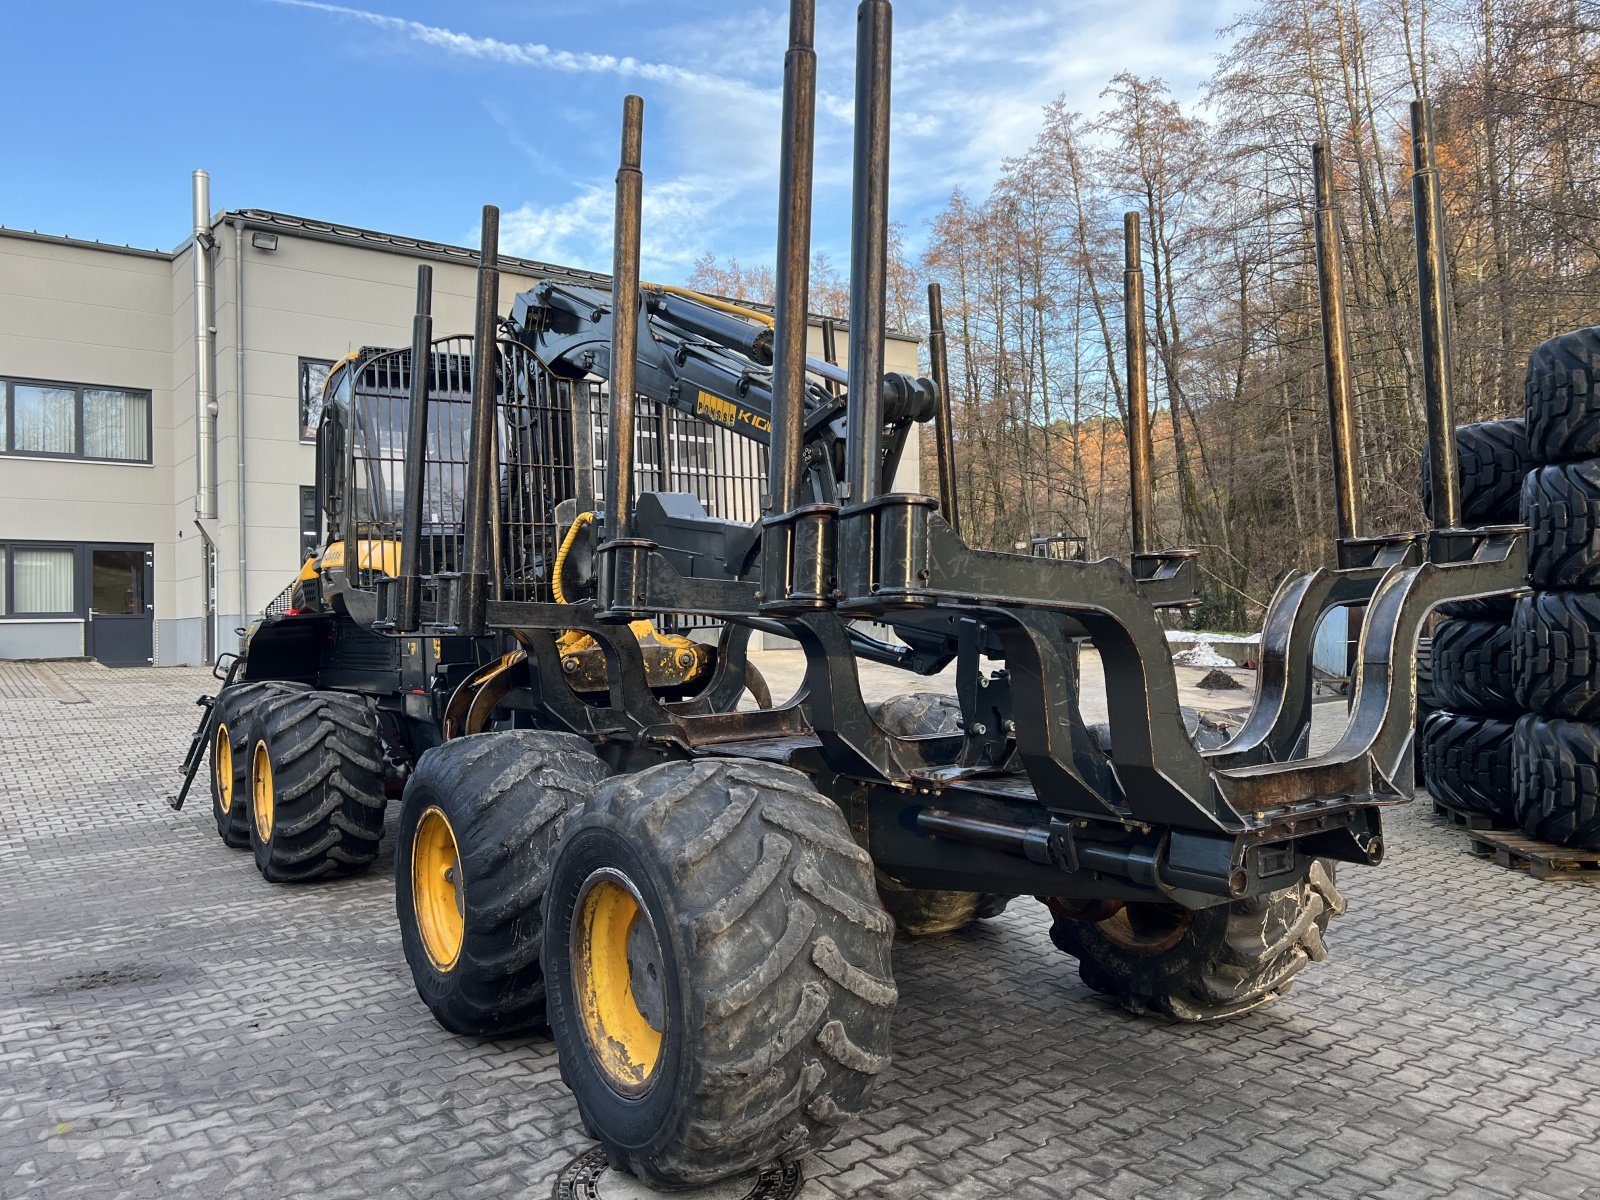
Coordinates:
43 419
310 524
43 580
116 424
69 420
313 377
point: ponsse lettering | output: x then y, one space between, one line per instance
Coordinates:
726 412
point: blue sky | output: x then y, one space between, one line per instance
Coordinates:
406 116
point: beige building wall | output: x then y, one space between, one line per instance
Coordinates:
91 314
81 313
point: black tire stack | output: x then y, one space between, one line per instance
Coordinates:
1465 742
1556 630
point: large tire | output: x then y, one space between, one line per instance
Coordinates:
495 804
316 787
718 969
1492 458
1218 962
1563 397
1472 670
1427 700
1558 781
928 912
919 714
1555 639
1466 762
1561 505
237 709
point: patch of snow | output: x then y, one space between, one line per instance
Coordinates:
1202 654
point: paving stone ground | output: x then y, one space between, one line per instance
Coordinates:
173 1026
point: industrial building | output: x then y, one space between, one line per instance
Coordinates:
107 356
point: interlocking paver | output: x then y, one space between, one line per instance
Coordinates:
171 1025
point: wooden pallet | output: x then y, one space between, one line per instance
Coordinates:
1541 860
1463 818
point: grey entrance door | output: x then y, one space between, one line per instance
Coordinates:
121 605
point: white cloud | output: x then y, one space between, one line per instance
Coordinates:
969 86
520 54
678 215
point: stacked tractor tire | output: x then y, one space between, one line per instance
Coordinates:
1515 732
1556 630
1466 741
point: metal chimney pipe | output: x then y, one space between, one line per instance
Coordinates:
786 467
1336 351
205 355
1433 298
869 252
943 431
1139 452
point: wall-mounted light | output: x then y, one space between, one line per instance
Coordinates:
264 241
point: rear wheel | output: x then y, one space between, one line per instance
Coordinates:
1202 965
927 912
316 787
718 969
237 710
478 824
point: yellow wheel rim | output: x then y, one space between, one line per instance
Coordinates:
436 889
261 791
222 765
618 979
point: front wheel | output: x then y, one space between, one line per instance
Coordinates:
478 823
718 969
1202 965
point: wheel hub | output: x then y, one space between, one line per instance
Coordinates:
618 978
436 890
261 794
1146 928
222 764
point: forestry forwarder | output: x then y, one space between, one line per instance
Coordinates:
686 893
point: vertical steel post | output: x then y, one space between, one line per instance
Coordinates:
943 432
481 490
1433 295
786 469
830 348
410 600
869 247
1336 351
1139 454
624 326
